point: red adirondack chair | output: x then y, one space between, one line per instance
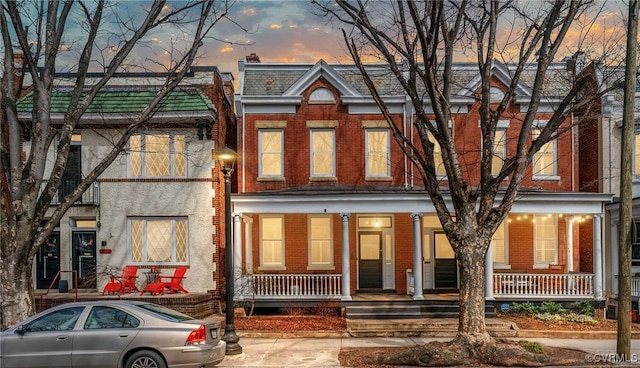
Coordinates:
173 283
125 283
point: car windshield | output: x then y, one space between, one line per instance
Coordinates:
165 313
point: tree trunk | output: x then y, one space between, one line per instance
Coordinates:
471 322
17 287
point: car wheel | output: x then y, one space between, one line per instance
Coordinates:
145 359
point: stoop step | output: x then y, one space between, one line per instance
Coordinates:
421 327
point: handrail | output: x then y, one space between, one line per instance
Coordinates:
75 279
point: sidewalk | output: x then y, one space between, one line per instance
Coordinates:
323 352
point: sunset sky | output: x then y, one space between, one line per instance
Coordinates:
282 31
288 31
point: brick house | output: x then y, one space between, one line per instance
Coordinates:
158 204
328 207
601 140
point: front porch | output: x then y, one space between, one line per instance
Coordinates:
504 286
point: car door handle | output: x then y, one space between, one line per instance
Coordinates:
124 335
62 337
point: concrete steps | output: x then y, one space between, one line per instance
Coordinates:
408 309
422 327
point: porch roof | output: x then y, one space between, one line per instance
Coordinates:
399 200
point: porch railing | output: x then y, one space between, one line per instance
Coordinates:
556 285
539 285
635 286
281 286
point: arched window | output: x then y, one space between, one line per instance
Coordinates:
321 95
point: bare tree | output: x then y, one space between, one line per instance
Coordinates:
419 41
42 32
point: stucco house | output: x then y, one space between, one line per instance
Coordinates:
159 203
328 208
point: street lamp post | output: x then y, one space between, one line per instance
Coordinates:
227 158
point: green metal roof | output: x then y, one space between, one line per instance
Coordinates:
125 100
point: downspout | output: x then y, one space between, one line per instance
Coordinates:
574 143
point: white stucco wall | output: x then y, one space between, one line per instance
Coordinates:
168 198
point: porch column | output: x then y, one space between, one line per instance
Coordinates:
248 243
237 251
488 274
346 269
614 257
597 255
569 245
417 257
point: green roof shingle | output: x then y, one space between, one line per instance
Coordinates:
126 100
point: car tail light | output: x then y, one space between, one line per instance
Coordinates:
197 336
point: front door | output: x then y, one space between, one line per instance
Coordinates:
48 262
370 260
84 257
445 267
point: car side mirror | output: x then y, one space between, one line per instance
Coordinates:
20 330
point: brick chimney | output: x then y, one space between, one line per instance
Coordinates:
253 58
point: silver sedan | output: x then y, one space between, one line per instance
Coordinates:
113 334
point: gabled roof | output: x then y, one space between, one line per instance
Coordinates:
321 69
501 72
128 100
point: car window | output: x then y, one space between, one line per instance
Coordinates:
59 320
166 313
108 317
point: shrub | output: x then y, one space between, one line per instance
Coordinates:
582 307
581 318
524 308
552 308
549 317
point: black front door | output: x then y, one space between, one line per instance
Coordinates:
370 264
48 262
445 265
84 257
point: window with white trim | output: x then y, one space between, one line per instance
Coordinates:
636 154
544 161
157 155
545 239
320 241
271 241
499 151
499 244
378 152
159 240
323 152
437 156
270 152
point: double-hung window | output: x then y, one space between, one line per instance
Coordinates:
545 160
272 241
159 240
437 157
320 242
270 153
323 142
158 155
378 152
499 145
545 240
636 154
499 244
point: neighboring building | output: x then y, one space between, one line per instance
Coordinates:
600 132
159 203
328 206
